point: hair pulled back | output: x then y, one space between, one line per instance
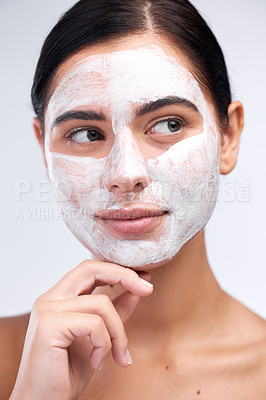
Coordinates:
95 21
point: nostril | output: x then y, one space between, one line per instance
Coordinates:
128 186
125 179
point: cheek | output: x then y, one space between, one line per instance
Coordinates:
186 168
76 180
176 176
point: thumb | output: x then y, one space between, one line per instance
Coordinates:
125 304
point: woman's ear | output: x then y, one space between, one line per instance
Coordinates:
37 126
231 137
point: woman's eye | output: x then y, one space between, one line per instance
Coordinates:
85 135
167 127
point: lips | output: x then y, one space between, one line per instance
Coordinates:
131 220
129 213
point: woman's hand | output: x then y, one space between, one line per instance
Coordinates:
71 331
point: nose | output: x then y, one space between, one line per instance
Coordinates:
126 171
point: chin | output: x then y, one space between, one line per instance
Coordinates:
146 266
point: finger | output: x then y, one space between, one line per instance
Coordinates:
125 304
144 275
89 273
93 304
63 328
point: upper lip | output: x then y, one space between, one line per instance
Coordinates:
130 213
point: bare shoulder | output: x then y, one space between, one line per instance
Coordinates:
254 357
247 333
12 336
250 326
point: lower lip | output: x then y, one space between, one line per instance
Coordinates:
133 226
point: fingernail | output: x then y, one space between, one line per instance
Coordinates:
100 367
129 359
146 283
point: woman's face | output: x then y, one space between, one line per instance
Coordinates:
132 150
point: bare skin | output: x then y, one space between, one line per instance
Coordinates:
199 343
188 339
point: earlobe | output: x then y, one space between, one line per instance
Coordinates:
37 126
231 137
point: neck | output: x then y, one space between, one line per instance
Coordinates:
185 300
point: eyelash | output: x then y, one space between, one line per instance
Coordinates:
82 128
182 121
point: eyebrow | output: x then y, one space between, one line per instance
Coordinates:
142 110
166 101
83 115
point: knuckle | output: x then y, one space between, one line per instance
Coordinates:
124 341
37 301
45 320
38 307
89 266
97 321
121 342
131 273
86 263
105 300
108 344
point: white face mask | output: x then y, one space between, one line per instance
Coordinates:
183 180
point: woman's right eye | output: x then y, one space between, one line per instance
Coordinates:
85 135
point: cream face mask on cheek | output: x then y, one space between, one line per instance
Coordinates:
182 182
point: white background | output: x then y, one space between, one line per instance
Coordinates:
37 249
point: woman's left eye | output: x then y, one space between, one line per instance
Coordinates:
85 135
167 127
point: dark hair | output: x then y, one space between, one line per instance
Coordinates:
95 21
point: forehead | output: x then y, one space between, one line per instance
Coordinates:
122 77
131 42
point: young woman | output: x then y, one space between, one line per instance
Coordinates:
135 119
